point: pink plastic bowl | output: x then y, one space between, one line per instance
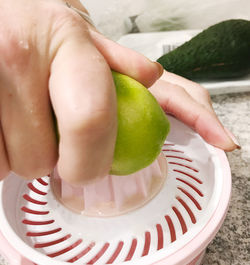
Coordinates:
173 228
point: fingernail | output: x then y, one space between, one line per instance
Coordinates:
234 139
160 68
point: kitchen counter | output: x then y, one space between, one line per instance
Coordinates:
231 245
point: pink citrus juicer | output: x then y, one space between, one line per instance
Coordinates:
170 221
112 195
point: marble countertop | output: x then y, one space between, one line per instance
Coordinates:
231 246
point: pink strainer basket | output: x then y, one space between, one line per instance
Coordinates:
174 227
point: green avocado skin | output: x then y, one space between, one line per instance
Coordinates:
220 51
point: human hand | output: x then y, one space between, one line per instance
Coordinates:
190 102
53 61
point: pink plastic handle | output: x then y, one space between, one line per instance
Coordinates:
10 254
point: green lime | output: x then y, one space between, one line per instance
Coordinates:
142 127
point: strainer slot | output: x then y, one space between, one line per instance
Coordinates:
160 236
188 175
190 197
189 211
172 150
181 220
36 190
132 250
28 210
82 253
42 181
30 222
116 252
171 228
146 243
180 157
45 233
191 186
183 165
65 250
99 254
51 243
32 200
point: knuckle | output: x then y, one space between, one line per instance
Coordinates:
34 169
64 18
64 24
201 90
15 53
206 93
173 88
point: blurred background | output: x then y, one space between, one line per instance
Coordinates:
115 18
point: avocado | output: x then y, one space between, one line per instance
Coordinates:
220 51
